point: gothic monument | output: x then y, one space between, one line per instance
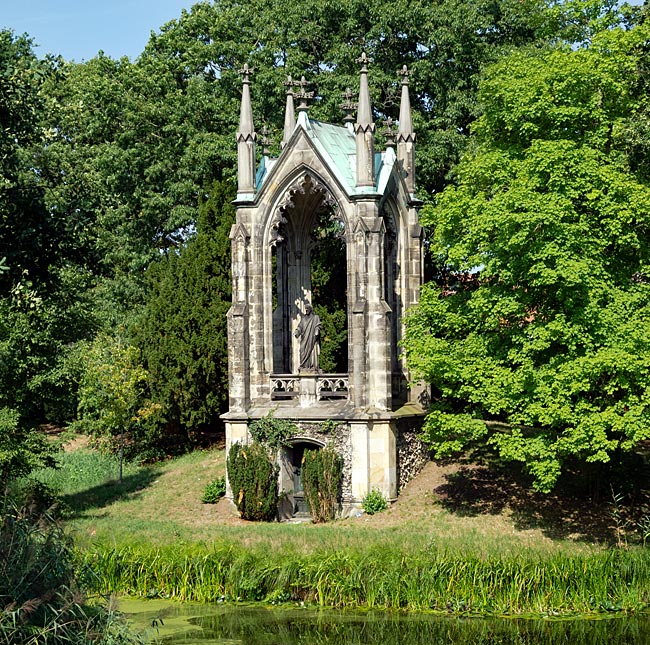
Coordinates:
327 178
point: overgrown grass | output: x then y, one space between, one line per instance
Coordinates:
380 577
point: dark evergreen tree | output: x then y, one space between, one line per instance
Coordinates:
182 332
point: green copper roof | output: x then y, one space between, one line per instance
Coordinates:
337 144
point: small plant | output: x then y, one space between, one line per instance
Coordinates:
374 502
321 476
214 491
272 432
329 426
254 481
621 523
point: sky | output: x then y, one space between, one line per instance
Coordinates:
78 29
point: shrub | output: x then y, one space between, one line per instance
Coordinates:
39 587
321 476
374 502
214 491
254 481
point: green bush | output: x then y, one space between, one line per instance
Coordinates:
214 491
321 476
254 482
272 432
374 502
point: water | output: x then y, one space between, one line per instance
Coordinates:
184 624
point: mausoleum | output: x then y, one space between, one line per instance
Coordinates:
330 183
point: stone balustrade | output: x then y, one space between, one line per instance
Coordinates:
309 388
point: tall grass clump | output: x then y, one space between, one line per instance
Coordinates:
379 577
322 472
253 478
41 600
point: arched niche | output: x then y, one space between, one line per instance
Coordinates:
305 219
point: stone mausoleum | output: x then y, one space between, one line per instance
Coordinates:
328 180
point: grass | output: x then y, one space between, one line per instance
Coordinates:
152 536
382 577
161 503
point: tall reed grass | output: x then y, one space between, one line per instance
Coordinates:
429 579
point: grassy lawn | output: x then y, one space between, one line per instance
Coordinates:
160 504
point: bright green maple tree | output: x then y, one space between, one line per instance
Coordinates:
536 337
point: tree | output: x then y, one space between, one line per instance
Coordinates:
43 309
112 403
182 330
536 336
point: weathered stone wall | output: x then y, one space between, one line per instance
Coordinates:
412 453
338 434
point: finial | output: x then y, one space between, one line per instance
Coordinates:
246 72
302 95
389 131
404 73
364 61
289 83
348 106
266 141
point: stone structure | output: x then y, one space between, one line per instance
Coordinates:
326 173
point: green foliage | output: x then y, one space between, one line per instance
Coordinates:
112 405
182 330
374 502
39 586
214 491
538 323
253 478
322 473
21 450
271 432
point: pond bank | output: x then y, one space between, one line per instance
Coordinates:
558 584
168 622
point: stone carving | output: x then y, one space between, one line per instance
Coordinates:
308 331
304 185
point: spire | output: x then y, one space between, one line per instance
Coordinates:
405 134
289 114
364 130
246 139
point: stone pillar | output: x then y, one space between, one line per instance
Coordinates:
238 323
378 332
382 451
360 472
236 432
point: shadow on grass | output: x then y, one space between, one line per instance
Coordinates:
77 504
575 509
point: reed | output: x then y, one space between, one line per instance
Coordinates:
378 577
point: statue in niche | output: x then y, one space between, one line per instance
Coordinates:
308 331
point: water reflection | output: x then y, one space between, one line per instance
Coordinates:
262 626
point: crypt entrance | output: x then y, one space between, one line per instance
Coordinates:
326 262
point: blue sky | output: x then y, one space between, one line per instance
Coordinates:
78 29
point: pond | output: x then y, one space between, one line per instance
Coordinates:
187 624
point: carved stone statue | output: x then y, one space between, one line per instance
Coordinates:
308 331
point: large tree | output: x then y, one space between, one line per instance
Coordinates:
537 336
182 329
